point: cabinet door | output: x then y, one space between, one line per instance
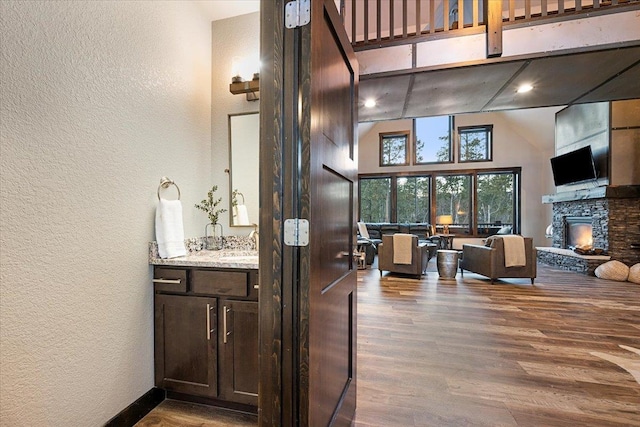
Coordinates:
238 325
186 344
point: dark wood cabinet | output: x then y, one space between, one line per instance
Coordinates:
238 351
206 333
186 349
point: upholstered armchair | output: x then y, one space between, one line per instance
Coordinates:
490 261
420 255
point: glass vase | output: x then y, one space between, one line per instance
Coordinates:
213 242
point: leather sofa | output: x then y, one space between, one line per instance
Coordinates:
489 260
420 255
423 230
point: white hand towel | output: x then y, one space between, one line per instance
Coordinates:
169 229
241 215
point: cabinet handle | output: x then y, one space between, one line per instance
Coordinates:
168 281
224 322
208 322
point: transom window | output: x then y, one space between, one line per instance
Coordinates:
475 143
394 149
433 139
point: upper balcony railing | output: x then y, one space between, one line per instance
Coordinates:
378 23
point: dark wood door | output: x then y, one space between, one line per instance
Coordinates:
329 78
238 345
185 347
309 160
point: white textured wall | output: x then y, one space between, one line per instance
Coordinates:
522 138
99 100
238 36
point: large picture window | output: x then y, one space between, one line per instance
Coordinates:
394 149
413 199
475 143
433 139
453 200
375 199
496 202
477 202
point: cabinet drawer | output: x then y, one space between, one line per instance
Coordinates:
169 279
232 283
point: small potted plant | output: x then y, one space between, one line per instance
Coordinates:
209 206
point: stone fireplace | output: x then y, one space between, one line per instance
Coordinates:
611 214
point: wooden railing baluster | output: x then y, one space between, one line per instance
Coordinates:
543 8
404 19
475 14
512 10
353 22
418 19
432 17
366 21
560 6
391 20
527 9
578 5
445 13
379 19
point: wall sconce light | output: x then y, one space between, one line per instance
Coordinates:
239 84
445 220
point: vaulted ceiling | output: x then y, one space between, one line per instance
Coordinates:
599 75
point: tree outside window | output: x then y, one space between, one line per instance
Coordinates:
433 139
453 197
413 199
475 143
375 199
496 201
393 149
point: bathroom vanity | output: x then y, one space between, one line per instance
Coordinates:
206 327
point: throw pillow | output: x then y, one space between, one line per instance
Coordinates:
634 274
613 270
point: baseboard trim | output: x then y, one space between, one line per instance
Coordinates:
138 409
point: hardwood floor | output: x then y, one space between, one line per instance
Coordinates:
467 353
174 413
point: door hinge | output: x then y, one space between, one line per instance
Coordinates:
297 13
296 232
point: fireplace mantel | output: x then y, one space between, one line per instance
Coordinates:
602 192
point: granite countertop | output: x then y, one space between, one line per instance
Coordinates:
245 259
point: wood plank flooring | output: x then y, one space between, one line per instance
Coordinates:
467 353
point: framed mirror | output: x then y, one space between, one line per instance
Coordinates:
244 164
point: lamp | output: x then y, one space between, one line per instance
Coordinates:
445 220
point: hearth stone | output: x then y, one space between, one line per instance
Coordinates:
565 259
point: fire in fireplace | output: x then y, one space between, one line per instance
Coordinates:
578 232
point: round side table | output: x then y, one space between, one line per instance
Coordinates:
447 263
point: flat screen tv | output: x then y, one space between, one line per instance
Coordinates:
575 166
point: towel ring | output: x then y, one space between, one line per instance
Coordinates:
165 183
241 195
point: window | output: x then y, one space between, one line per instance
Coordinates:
477 202
453 197
475 143
393 149
496 202
375 199
433 139
413 199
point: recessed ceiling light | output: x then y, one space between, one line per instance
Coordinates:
370 103
525 88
